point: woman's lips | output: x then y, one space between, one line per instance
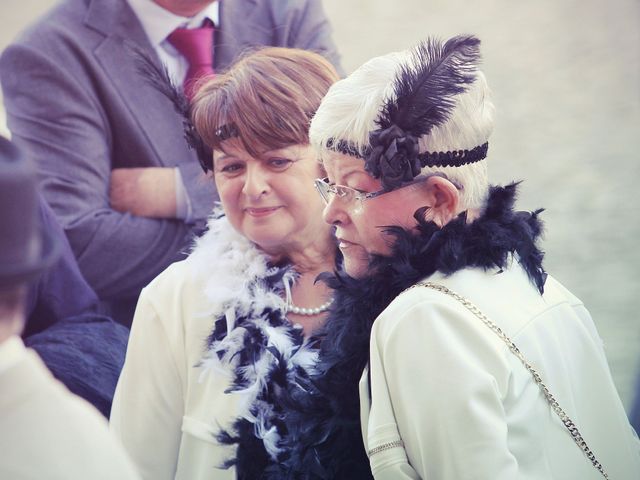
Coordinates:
260 212
342 243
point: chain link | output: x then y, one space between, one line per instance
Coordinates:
385 446
568 423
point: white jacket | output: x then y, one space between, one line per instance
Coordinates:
463 404
46 432
170 402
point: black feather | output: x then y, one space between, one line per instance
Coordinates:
425 87
158 77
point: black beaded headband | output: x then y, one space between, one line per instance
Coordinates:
454 158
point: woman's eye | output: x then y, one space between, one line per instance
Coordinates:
280 163
358 190
232 168
344 192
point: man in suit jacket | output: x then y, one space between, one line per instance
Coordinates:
75 99
45 431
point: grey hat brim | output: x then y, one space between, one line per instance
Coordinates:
18 274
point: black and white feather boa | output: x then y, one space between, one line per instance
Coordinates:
316 409
252 341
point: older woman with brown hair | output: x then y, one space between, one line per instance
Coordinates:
210 324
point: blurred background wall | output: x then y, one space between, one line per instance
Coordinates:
566 82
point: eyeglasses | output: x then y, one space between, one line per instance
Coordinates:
346 194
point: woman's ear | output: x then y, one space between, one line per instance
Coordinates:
443 197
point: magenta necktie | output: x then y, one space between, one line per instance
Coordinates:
196 44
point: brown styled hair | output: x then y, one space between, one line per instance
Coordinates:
268 96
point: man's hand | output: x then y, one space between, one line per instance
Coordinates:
145 192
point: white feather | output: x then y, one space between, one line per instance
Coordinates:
232 269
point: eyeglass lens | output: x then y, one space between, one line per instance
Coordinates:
327 191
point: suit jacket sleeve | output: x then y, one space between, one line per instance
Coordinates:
442 376
63 125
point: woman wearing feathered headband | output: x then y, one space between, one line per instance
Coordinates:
472 362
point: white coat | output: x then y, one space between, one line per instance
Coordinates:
171 402
46 432
463 405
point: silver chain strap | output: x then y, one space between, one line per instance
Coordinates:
568 423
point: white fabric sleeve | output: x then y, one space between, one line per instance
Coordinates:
148 405
444 377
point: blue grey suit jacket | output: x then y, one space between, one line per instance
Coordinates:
75 100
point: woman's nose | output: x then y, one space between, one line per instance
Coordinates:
256 181
334 213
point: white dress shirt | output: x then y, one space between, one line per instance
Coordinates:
158 24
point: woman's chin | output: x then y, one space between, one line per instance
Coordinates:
271 245
355 267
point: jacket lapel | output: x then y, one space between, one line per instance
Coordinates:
153 112
242 25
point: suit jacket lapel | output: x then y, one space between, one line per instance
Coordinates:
242 24
153 112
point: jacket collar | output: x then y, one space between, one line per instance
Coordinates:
115 18
243 24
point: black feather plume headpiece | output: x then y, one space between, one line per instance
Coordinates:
425 87
423 97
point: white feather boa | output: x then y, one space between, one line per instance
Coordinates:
246 304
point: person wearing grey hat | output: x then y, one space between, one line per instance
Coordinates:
448 353
45 431
25 250
84 350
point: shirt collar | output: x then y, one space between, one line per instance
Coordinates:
158 23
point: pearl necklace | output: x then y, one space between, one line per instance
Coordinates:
290 307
